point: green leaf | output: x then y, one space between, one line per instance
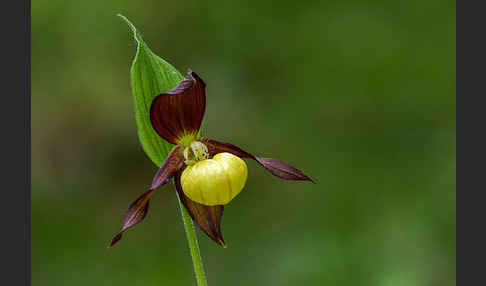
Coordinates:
150 76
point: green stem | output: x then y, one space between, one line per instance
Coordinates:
193 245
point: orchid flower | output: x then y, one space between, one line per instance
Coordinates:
207 173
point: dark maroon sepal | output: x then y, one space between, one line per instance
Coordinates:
180 111
135 214
172 164
208 218
275 166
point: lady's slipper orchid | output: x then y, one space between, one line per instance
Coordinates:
207 173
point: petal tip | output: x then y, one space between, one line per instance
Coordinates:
197 78
222 244
115 239
307 178
135 213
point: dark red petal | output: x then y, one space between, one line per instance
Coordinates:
135 214
283 170
172 164
208 218
275 166
180 111
215 147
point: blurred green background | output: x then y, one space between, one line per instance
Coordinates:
359 95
